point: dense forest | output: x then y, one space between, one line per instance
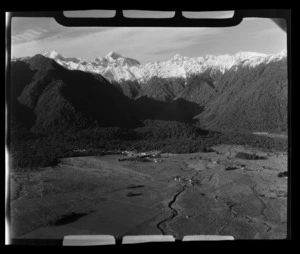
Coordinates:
29 150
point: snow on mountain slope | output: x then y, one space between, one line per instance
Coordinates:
111 65
115 67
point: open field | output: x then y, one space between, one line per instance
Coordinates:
210 193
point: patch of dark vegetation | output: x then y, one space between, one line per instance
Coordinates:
196 182
136 159
132 194
206 149
248 156
234 167
281 194
134 186
283 174
231 168
68 218
54 162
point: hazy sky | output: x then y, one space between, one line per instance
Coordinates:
31 36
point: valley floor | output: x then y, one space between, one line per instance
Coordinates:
210 193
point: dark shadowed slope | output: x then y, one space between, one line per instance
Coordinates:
58 98
61 98
199 89
21 76
176 110
162 89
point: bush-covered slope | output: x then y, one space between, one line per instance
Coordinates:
60 98
252 99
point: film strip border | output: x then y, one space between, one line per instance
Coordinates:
177 21
105 240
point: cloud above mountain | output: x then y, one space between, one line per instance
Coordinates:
29 35
38 35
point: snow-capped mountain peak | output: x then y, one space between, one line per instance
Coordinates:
57 56
177 57
52 54
113 55
248 55
117 68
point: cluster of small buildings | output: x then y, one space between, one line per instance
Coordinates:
238 166
178 178
151 156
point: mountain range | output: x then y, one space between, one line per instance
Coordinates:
244 91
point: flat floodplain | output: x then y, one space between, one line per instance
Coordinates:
212 193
